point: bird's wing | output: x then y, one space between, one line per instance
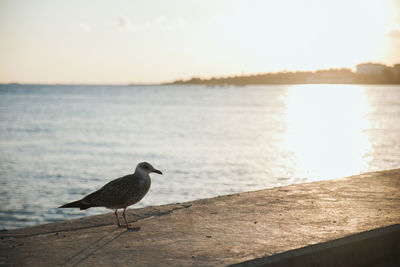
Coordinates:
113 193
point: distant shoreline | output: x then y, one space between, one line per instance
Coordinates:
366 74
283 83
188 83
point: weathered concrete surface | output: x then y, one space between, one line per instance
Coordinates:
218 231
376 248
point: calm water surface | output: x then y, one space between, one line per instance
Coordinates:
59 143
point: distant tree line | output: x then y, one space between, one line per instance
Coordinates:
387 76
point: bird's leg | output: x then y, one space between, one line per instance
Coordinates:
116 216
126 223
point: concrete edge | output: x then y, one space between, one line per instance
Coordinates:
362 249
137 214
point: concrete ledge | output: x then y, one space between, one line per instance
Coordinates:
345 222
379 247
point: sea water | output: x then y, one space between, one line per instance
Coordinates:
61 142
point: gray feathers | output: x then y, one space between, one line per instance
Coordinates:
120 193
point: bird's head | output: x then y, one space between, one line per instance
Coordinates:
145 166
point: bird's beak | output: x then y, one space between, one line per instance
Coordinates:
157 171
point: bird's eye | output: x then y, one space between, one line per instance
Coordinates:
146 167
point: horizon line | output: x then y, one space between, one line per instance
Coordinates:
183 79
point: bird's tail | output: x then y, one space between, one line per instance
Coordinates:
76 204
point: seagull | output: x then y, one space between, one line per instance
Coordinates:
119 193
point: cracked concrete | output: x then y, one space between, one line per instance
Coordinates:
215 232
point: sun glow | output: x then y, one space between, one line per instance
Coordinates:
326 130
307 35
158 41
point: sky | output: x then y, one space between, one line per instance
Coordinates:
119 42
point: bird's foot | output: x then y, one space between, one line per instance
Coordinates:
133 228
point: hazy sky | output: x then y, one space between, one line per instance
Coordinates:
82 41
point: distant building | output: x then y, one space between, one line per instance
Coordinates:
370 69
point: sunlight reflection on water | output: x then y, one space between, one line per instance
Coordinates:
327 130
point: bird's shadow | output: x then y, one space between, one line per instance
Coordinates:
92 248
